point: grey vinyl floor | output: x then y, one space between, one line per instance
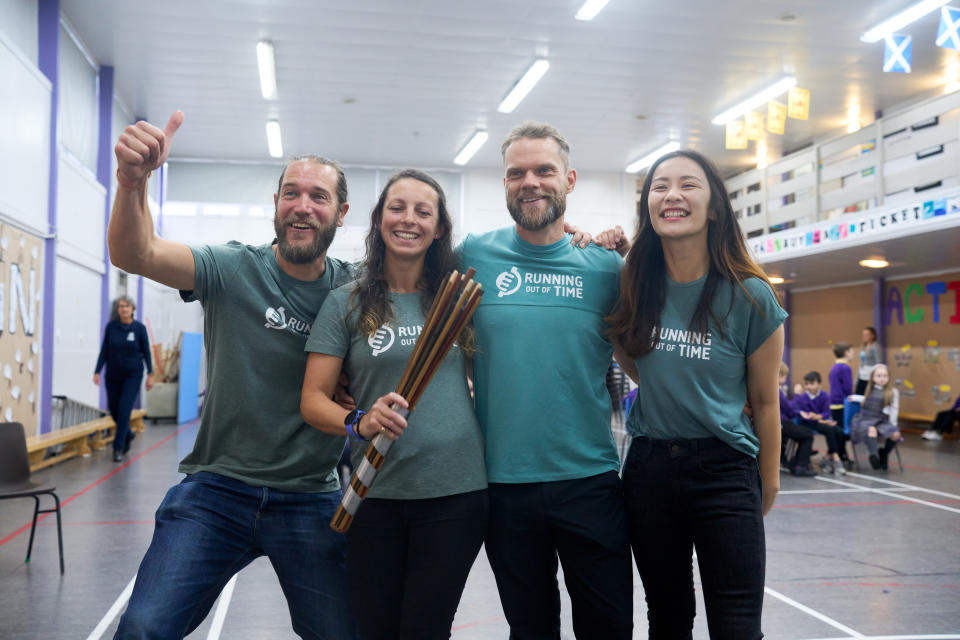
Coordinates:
869 555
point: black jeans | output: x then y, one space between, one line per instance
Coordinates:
582 522
804 439
943 423
409 561
121 394
701 493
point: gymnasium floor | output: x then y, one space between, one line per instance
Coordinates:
869 555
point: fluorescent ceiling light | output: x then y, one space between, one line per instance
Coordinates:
775 280
524 85
273 139
902 19
874 263
782 86
268 70
651 157
590 9
473 145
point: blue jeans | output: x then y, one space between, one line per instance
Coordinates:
209 527
701 493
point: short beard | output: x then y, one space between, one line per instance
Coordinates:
556 207
303 254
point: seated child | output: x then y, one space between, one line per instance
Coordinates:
841 387
799 465
877 417
943 423
813 408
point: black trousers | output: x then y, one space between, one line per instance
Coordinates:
582 523
804 438
408 561
696 493
861 387
944 421
121 394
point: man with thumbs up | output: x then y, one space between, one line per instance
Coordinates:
259 480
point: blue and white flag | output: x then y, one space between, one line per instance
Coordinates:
897 51
948 35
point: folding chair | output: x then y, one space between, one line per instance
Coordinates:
850 409
15 479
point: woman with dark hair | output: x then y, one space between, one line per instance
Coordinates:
125 350
699 329
870 357
417 533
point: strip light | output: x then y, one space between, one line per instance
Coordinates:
524 85
274 144
590 9
782 86
902 19
477 140
268 70
650 158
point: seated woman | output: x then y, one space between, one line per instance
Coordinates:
417 533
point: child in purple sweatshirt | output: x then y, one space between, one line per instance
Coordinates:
799 464
813 408
841 387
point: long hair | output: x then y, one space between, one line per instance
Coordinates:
114 314
643 282
873 332
887 390
370 294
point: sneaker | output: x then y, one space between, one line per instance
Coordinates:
826 466
874 461
803 472
118 456
932 435
840 469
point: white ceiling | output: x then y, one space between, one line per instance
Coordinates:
423 74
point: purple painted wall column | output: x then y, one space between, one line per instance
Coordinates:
48 50
878 290
787 325
104 155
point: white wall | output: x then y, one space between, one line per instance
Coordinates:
77 332
18 23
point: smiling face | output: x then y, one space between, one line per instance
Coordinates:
307 213
679 199
811 386
125 311
410 220
537 182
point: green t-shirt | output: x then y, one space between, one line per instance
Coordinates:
441 451
542 359
256 321
694 385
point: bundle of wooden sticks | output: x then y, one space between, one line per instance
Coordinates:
451 310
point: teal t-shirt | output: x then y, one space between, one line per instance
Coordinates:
441 451
542 359
693 385
256 322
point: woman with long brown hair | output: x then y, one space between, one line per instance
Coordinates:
699 328
417 533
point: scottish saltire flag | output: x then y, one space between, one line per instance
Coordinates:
948 35
897 51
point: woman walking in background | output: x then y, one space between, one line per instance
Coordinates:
125 350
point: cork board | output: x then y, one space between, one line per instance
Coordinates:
922 318
21 279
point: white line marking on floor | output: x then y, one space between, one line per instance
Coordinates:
898 496
936 636
221 613
903 485
112 613
794 492
816 614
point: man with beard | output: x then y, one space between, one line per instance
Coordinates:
541 399
259 480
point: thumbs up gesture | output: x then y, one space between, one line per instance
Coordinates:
142 148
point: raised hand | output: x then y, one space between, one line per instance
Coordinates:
142 148
613 240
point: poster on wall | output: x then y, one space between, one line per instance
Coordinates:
21 276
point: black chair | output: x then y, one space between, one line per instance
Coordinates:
15 479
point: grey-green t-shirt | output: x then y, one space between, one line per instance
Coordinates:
694 385
256 321
441 451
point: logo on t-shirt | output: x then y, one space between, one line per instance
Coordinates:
508 282
558 285
277 319
381 340
131 337
689 344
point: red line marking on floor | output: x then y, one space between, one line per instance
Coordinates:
858 504
123 466
478 623
915 468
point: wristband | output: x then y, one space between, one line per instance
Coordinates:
352 422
